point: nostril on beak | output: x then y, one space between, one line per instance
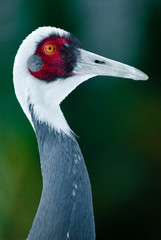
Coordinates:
99 62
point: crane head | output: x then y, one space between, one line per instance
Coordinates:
50 64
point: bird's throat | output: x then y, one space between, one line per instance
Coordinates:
65 210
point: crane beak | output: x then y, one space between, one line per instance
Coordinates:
93 64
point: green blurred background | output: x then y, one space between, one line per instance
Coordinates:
118 120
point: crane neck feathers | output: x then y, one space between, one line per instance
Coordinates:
65 210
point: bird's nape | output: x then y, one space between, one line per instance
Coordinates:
49 65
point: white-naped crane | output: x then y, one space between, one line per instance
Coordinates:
49 65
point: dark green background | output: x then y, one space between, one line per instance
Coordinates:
118 120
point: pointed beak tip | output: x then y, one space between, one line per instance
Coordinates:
144 77
140 76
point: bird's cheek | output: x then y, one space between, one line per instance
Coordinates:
35 63
57 67
47 73
52 69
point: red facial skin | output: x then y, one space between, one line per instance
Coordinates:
54 65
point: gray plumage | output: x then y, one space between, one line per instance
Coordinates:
35 63
65 210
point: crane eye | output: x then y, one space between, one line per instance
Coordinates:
49 48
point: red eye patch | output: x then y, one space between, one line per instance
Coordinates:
58 55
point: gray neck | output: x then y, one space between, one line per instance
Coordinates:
65 211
